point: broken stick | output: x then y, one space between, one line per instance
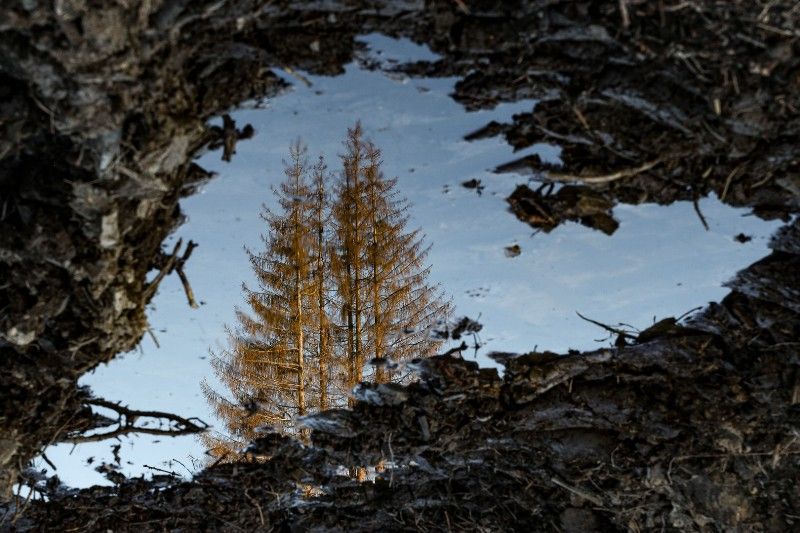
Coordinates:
604 178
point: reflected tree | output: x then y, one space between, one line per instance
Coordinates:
338 281
266 367
386 305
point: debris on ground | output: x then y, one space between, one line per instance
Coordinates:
512 251
474 184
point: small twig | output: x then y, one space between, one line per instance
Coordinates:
47 111
462 6
542 211
457 349
623 11
184 280
578 492
153 336
761 182
391 455
257 506
48 461
733 173
604 178
170 472
581 118
166 268
608 328
699 213
720 456
174 263
184 467
687 313
187 288
289 70
20 511
779 31
126 423
220 459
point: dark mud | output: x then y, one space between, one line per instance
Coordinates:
684 100
103 111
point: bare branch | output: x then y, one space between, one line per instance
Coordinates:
127 424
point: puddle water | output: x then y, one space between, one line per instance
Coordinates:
660 262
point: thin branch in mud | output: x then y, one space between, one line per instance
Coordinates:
48 461
289 70
699 213
170 472
19 511
728 181
462 6
687 313
257 506
126 423
153 336
174 263
187 288
610 329
578 492
762 181
623 11
722 456
166 268
581 118
604 178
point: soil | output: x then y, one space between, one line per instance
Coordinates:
692 425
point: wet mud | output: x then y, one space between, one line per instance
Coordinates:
692 425
673 101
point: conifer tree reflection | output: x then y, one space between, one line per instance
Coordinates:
338 282
379 266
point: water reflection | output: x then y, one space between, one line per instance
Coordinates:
341 278
525 289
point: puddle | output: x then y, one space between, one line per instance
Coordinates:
660 262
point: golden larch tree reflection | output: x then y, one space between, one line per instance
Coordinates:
385 302
339 282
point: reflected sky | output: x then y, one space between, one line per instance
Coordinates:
660 262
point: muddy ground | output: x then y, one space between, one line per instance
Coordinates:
690 426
